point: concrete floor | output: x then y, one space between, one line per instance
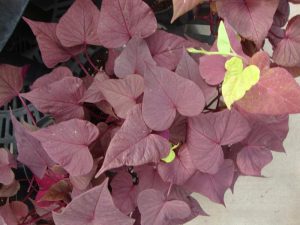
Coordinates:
274 200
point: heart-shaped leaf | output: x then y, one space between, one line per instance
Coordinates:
252 13
179 170
212 186
223 42
121 20
208 132
157 210
238 80
11 82
51 49
166 48
276 93
134 144
92 207
133 58
165 93
57 74
61 99
188 68
286 52
67 144
30 150
122 93
79 24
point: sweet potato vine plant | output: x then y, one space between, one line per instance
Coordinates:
166 117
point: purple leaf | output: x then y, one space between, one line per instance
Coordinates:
208 132
276 93
92 207
189 69
122 94
157 210
165 93
134 144
57 74
79 24
60 99
67 144
93 94
251 159
120 20
212 186
133 58
179 170
257 17
166 48
7 161
181 7
113 54
11 82
51 49
287 51
212 67
30 150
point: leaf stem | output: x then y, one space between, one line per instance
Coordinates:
90 60
81 66
27 110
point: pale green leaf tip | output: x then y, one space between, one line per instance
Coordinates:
192 50
170 158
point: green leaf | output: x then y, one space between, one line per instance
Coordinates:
223 41
170 158
238 80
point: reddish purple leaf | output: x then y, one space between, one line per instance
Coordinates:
212 186
165 93
67 144
261 60
124 192
134 144
7 161
92 207
51 49
276 34
251 159
181 7
212 67
133 58
93 94
79 24
166 48
178 171
282 13
57 74
61 99
122 94
257 17
11 82
121 20
13 213
189 69
30 151
157 210
287 51
276 93
208 132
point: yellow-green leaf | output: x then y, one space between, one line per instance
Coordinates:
238 80
223 41
170 158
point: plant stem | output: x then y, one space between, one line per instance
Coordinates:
90 60
81 66
27 109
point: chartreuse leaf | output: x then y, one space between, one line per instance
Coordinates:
223 42
170 158
238 80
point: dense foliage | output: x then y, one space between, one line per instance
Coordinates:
166 117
